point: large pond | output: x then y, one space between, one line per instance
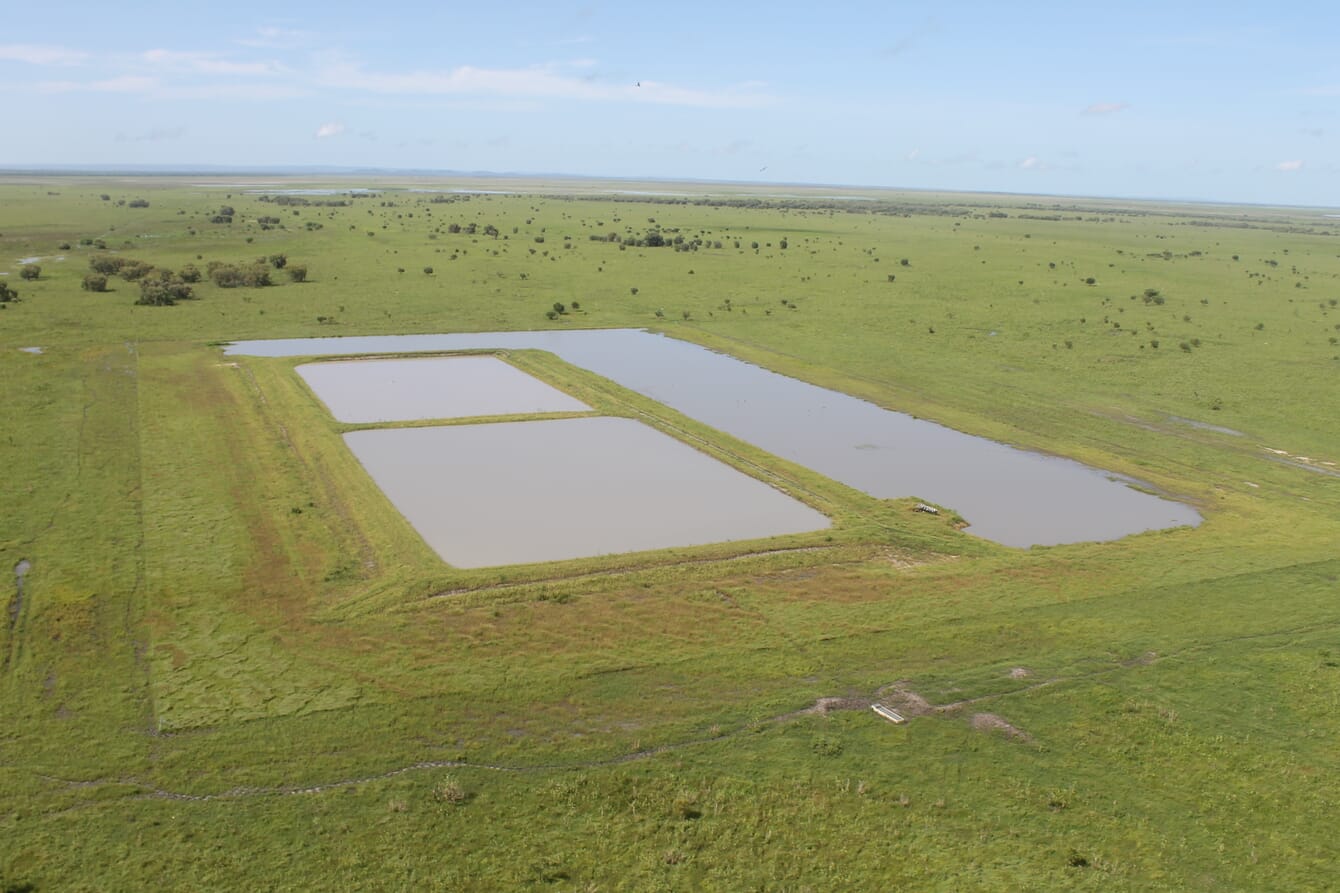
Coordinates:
1008 495
519 492
399 390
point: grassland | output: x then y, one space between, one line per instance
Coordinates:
233 664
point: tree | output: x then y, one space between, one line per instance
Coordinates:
135 270
163 292
30 272
107 264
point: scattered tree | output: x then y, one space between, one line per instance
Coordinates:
107 264
161 291
135 270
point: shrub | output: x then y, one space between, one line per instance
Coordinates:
233 276
94 282
7 294
135 270
30 271
297 273
107 264
163 292
449 790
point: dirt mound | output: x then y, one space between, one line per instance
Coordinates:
990 722
904 700
824 706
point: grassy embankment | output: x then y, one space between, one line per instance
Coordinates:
222 606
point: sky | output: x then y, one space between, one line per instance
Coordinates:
1225 101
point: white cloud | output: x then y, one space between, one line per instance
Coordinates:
277 38
123 84
152 88
155 135
1289 166
1032 163
207 63
326 131
537 82
1106 108
35 54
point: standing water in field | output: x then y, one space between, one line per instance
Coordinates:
1011 496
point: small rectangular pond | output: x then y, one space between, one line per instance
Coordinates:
402 390
521 492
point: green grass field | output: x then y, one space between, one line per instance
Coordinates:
232 664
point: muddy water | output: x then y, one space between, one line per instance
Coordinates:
431 388
518 492
1008 495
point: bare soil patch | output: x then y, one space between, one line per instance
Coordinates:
990 722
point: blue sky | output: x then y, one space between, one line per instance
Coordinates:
1218 101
